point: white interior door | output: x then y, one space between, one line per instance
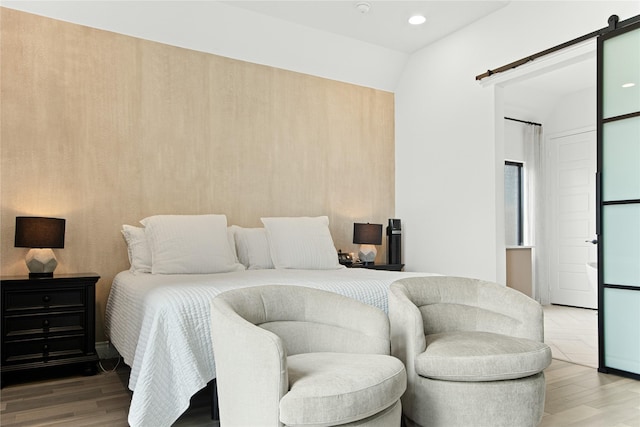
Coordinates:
572 197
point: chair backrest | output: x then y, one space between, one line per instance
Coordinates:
464 304
311 320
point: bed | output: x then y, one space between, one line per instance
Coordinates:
158 318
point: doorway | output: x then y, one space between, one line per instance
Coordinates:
567 221
562 96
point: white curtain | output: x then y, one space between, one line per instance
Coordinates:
533 211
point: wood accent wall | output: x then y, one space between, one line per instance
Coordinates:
104 129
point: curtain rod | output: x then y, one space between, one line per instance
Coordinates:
523 121
614 23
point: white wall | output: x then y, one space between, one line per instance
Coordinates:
573 112
449 149
214 27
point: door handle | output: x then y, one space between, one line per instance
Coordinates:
594 241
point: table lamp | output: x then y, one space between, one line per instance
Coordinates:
367 235
41 235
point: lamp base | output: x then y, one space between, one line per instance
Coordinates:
41 262
367 254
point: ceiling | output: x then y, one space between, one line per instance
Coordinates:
385 24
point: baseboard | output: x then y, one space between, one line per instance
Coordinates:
106 351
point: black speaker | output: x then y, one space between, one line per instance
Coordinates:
394 242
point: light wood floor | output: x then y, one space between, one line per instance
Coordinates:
577 395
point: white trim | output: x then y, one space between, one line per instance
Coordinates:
573 54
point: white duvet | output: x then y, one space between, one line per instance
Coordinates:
160 326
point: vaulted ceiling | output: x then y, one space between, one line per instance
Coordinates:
383 23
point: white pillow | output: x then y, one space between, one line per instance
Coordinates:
232 242
189 244
301 242
137 248
253 248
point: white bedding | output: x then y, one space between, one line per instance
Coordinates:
160 326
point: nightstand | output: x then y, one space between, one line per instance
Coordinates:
48 322
388 267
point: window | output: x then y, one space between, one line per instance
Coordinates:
513 203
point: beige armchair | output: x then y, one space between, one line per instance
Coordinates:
473 351
296 356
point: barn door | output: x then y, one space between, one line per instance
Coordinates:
618 177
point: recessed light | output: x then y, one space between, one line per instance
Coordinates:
628 85
417 20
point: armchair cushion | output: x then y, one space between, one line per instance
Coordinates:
481 356
327 389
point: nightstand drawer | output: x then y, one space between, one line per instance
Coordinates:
43 349
18 326
37 300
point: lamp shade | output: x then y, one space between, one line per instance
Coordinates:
367 234
39 232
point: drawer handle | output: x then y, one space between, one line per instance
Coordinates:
46 298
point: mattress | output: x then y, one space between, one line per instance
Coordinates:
160 325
